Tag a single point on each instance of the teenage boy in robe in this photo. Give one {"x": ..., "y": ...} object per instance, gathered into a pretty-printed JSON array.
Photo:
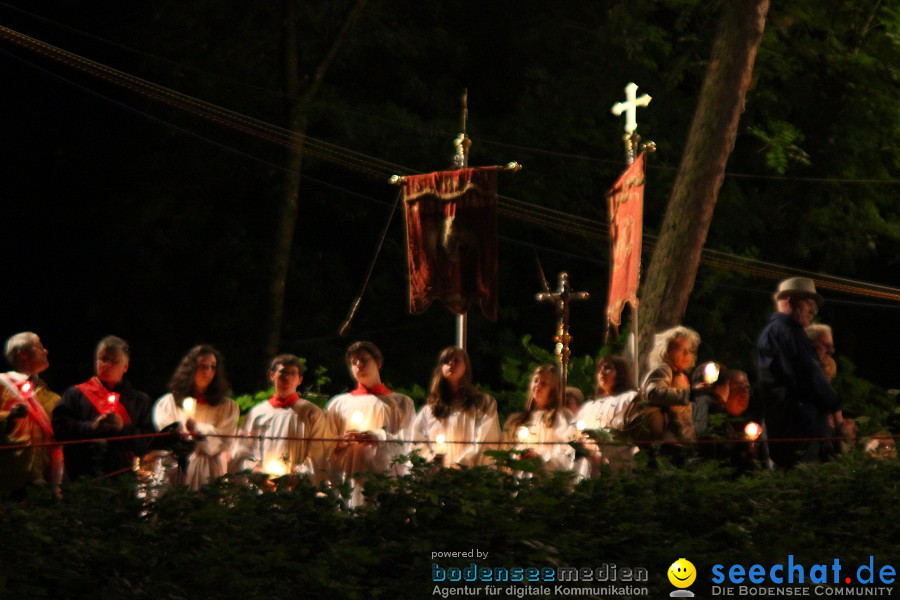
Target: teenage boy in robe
[
  {"x": 284, "y": 415},
  {"x": 370, "y": 422}
]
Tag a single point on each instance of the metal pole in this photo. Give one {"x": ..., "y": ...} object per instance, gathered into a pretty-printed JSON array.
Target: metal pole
[
  {"x": 635, "y": 349},
  {"x": 462, "y": 324},
  {"x": 462, "y": 321}
]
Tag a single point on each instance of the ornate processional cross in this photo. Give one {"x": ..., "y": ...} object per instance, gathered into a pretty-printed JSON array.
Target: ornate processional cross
[{"x": 562, "y": 297}]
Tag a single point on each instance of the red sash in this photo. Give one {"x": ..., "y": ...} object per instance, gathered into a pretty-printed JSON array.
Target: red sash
[
  {"x": 98, "y": 395},
  {"x": 376, "y": 390},
  {"x": 35, "y": 410},
  {"x": 39, "y": 416},
  {"x": 288, "y": 402}
]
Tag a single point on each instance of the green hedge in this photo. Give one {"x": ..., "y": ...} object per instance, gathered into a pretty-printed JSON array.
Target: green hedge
[{"x": 234, "y": 542}]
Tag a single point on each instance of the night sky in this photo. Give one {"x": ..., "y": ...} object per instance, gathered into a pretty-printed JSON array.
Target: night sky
[{"x": 124, "y": 216}]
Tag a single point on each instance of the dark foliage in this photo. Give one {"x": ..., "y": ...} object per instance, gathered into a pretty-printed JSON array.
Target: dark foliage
[{"x": 234, "y": 542}]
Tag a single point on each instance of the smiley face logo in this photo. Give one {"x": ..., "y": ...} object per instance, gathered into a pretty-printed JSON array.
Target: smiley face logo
[{"x": 682, "y": 573}]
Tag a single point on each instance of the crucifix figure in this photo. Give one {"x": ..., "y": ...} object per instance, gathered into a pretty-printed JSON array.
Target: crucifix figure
[
  {"x": 561, "y": 297},
  {"x": 629, "y": 107}
]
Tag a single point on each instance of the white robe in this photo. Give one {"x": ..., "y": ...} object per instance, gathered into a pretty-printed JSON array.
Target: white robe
[
  {"x": 606, "y": 412},
  {"x": 302, "y": 420},
  {"x": 475, "y": 424},
  {"x": 559, "y": 456},
  {"x": 210, "y": 456},
  {"x": 389, "y": 418}
]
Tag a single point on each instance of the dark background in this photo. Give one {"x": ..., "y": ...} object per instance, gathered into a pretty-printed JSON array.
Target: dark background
[{"x": 125, "y": 216}]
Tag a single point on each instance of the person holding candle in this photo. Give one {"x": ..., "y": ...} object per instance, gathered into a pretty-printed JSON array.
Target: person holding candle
[
  {"x": 103, "y": 408},
  {"x": 264, "y": 447},
  {"x": 710, "y": 391},
  {"x": 198, "y": 401},
  {"x": 609, "y": 409},
  {"x": 25, "y": 407},
  {"x": 544, "y": 429},
  {"x": 455, "y": 411},
  {"x": 665, "y": 410},
  {"x": 370, "y": 422},
  {"x": 719, "y": 417}
]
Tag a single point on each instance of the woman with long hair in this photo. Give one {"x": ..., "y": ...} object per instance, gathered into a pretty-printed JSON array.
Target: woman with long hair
[
  {"x": 609, "y": 409},
  {"x": 198, "y": 401},
  {"x": 667, "y": 411},
  {"x": 458, "y": 422},
  {"x": 544, "y": 428}
]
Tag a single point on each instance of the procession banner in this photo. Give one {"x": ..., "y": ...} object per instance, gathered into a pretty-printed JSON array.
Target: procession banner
[
  {"x": 451, "y": 233},
  {"x": 626, "y": 214}
]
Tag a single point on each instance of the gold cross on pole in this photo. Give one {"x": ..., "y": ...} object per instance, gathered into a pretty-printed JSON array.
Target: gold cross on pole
[{"x": 562, "y": 297}]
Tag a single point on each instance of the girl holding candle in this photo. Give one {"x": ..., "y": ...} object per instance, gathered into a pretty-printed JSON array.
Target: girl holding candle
[
  {"x": 666, "y": 409},
  {"x": 455, "y": 411},
  {"x": 609, "y": 409},
  {"x": 544, "y": 420},
  {"x": 198, "y": 401}
]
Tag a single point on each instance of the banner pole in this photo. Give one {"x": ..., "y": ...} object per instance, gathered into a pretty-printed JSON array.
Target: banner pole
[{"x": 462, "y": 325}]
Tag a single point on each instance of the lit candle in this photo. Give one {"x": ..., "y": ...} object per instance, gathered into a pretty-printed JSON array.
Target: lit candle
[
  {"x": 580, "y": 425},
  {"x": 111, "y": 401},
  {"x": 189, "y": 405},
  {"x": 356, "y": 420},
  {"x": 752, "y": 430},
  {"x": 440, "y": 444},
  {"x": 523, "y": 433},
  {"x": 276, "y": 468},
  {"x": 26, "y": 389},
  {"x": 711, "y": 373}
]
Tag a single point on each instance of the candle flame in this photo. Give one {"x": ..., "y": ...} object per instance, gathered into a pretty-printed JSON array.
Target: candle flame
[
  {"x": 189, "y": 405},
  {"x": 522, "y": 433},
  {"x": 711, "y": 373},
  {"x": 356, "y": 419},
  {"x": 26, "y": 387},
  {"x": 440, "y": 439},
  {"x": 580, "y": 425},
  {"x": 752, "y": 430},
  {"x": 276, "y": 467},
  {"x": 111, "y": 399}
]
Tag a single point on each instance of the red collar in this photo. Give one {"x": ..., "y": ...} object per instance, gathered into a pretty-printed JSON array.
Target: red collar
[
  {"x": 376, "y": 390},
  {"x": 288, "y": 402}
]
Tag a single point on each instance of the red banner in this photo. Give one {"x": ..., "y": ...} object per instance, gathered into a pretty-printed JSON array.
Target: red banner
[
  {"x": 626, "y": 216},
  {"x": 451, "y": 233}
]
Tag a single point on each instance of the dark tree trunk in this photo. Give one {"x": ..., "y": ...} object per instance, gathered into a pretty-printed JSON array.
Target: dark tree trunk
[
  {"x": 673, "y": 267},
  {"x": 297, "y": 102}
]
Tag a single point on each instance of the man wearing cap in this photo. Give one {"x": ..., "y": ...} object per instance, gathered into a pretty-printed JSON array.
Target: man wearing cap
[{"x": 795, "y": 392}]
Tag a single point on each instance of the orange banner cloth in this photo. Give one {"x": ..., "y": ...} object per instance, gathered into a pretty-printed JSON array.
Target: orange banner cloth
[{"x": 626, "y": 217}]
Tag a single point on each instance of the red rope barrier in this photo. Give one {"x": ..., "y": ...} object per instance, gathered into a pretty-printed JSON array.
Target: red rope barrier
[{"x": 706, "y": 441}]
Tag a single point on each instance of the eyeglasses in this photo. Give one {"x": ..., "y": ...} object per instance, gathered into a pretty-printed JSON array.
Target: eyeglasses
[{"x": 288, "y": 372}]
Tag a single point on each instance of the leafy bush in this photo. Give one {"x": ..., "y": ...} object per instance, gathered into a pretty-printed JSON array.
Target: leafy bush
[{"x": 232, "y": 541}]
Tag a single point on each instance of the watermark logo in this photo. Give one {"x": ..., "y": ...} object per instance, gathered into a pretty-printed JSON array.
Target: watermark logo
[{"x": 682, "y": 574}]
